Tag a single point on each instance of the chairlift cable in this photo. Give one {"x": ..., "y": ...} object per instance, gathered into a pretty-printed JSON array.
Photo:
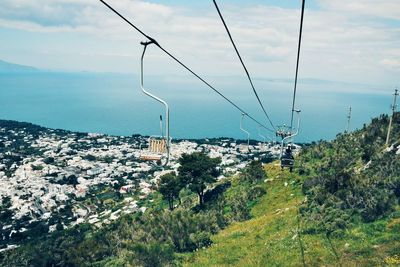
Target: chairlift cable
[
  {"x": 185, "y": 66},
  {"x": 287, "y": 159},
  {"x": 297, "y": 64},
  {"x": 241, "y": 61}
]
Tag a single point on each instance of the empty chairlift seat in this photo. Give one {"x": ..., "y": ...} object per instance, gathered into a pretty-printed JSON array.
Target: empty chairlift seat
[{"x": 157, "y": 147}]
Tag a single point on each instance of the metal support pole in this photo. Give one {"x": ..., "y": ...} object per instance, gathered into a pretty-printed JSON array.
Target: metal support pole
[
  {"x": 161, "y": 127},
  {"x": 348, "y": 121},
  {"x": 396, "y": 93}
]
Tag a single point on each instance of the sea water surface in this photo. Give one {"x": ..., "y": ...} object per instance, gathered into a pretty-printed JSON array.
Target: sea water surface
[{"x": 114, "y": 104}]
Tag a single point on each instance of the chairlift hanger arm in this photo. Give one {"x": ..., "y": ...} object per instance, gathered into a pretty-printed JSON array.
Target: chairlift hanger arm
[
  {"x": 298, "y": 126},
  {"x": 145, "y": 44},
  {"x": 292, "y": 135},
  {"x": 167, "y": 132}
]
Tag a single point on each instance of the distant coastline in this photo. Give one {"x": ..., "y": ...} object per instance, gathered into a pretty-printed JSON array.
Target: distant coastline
[
  {"x": 28, "y": 125},
  {"x": 113, "y": 104},
  {"x": 7, "y": 67}
]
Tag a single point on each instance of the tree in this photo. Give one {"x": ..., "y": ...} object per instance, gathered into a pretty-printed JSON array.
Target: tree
[
  {"x": 59, "y": 226},
  {"x": 37, "y": 167},
  {"x": 90, "y": 157},
  {"x": 169, "y": 186},
  {"x": 72, "y": 180},
  {"x": 197, "y": 170},
  {"x": 49, "y": 160}
]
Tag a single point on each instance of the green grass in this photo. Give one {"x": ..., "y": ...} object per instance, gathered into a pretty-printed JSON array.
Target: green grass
[{"x": 271, "y": 237}]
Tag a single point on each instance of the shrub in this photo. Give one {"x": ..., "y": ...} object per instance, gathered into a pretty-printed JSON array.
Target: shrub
[
  {"x": 254, "y": 172},
  {"x": 239, "y": 206},
  {"x": 256, "y": 192},
  {"x": 152, "y": 255}
]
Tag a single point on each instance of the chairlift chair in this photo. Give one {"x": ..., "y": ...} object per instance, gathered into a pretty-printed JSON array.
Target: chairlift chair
[
  {"x": 158, "y": 149},
  {"x": 283, "y": 131},
  {"x": 287, "y": 159}
]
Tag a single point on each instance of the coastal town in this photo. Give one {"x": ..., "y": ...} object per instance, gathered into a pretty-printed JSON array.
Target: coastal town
[{"x": 53, "y": 179}]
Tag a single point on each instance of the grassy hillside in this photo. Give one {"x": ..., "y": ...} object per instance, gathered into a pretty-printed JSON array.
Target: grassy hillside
[
  {"x": 275, "y": 236},
  {"x": 339, "y": 208}
]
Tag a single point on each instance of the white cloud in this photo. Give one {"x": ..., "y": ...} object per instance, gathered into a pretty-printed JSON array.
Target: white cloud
[
  {"x": 383, "y": 9},
  {"x": 341, "y": 40},
  {"x": 45, "y": 13}
]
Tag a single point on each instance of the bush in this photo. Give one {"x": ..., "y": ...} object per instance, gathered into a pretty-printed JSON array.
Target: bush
[
  {"x": 49, "y": 160},
  {"x": 254, "y": 172},
  {"x": 37, "y": 167},
  {"x": 239, "y": 206},
  {"x": 90, "y": 157},
  {"x": 256, "y": 192},
  {"x": 353, "y": 177},
  {"x": 308, "y": 184},
  {"x": 152, "y": 255},
  {"x": 216, "y": 192},
  {"x": 201, "y": 240}
]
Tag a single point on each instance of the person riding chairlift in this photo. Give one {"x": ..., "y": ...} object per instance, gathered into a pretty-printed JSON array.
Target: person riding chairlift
[
  {"x": 287, "y": 159},
  {"x": 288, "y": 153}
]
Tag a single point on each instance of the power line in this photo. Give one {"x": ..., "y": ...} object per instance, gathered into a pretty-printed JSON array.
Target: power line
[
  {"x": 244, "y": 66},
  {"x": 297, "y": 64},
  {"x": 184, "y": 66}
]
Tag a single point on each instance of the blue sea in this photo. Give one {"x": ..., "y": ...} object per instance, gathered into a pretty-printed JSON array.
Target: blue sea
[{"x": 113, "y": 104}]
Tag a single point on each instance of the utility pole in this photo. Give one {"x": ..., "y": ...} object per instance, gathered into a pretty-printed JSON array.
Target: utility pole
[
  {"x": 396, "y": 93},
  {"x": 348, "y": 121}
]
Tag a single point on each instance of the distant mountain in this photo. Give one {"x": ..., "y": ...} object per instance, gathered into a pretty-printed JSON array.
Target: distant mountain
[{"x": 11, "y": 67}]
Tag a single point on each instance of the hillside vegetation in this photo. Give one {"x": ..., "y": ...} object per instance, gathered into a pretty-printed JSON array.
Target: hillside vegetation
[
  {"x": 277, "y": 235},
  {"x": 340, "y": 207}
]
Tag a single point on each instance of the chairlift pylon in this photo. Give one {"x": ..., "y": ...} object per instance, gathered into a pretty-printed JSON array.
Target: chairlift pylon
[{"x": 158, "y": 146}]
